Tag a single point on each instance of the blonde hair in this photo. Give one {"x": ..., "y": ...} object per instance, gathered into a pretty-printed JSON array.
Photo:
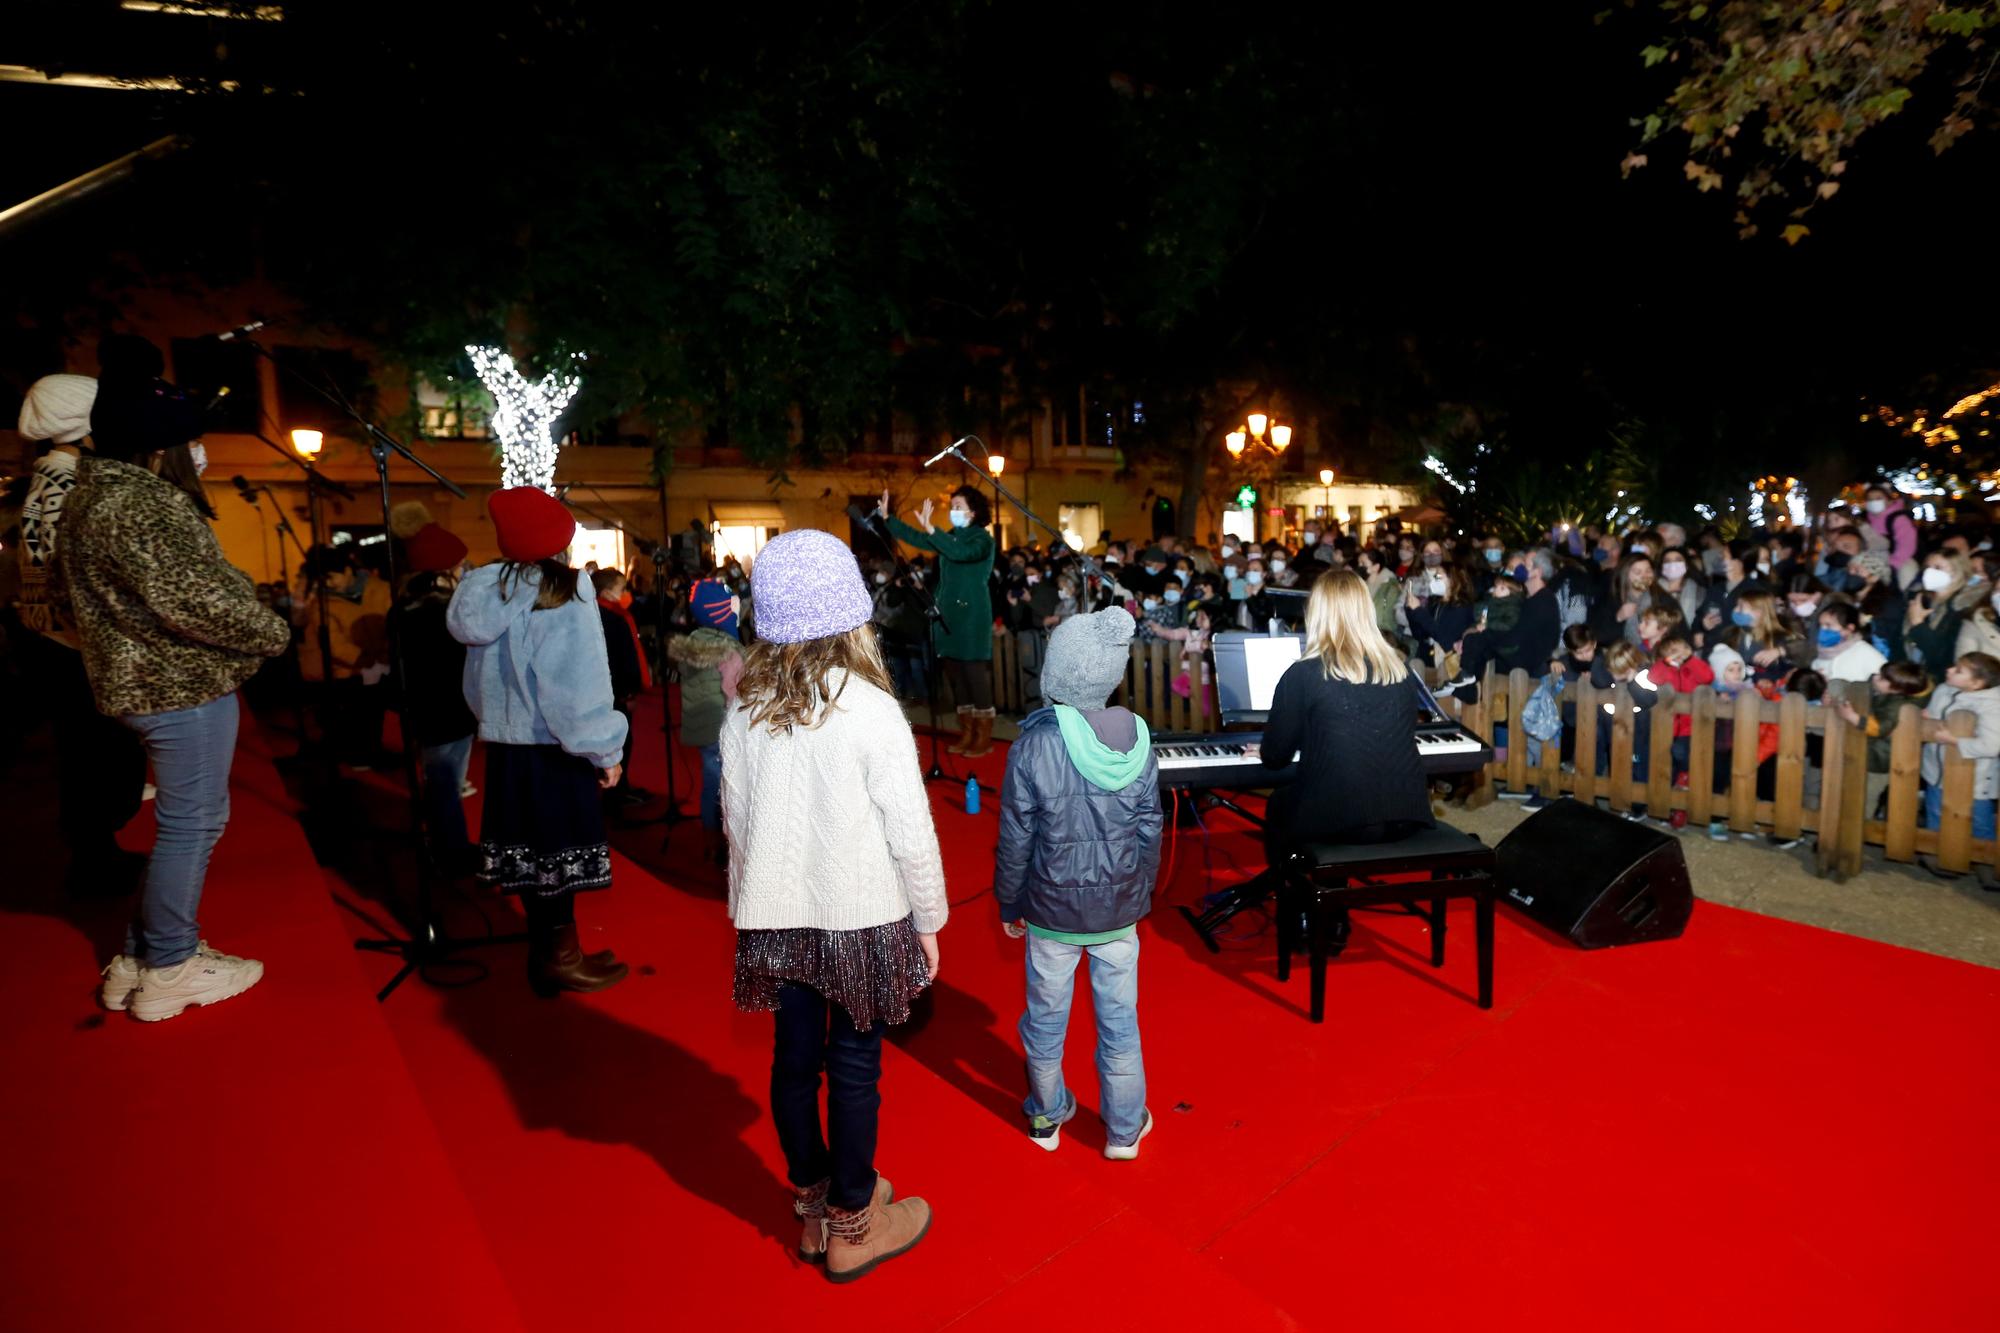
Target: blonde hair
[
  {"x": 786, "y": 685},
  {"x": 1341, "y": 630},
  {"x": 1627, "y": 656}
]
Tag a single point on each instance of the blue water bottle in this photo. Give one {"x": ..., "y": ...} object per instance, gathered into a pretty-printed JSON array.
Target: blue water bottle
[{"x": 972, "y": 796}]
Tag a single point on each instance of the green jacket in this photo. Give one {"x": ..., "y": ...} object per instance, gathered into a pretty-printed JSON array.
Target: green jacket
[
  {"x": 701, "y": 656},
  {"x": 964, "y": 596}
]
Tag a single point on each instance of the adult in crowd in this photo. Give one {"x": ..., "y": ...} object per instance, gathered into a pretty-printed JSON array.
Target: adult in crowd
[
  {"x": 169, "y": 631},
  {"x": 1438, "y": 604},
  {"x": 1681, "y": 583},
  {"x": 435, "y": 715},
  {"x": 817, "y": 753},
  {"x": 100, "y": 764},
  {"x": 1935, "y": 611},
  {"x": 1763, "y": 633},
  {"x": 964, "y": 637},
  {"x": 538, "y": 680},
  {"x": 1880, "y": 602},
  {"x": 1804, "y": 596},
  {"x": 1629, "y": 593},
  {"x": 901, "y": 628},
  {"x": 1894, "y": 532},
  {"x": 349, "y": 686},
  {"x": 711, "y": 661},
  {"x": 1844, "y": 653},
  {"x": 631, "y": 673},
  {"x": 1979, "y": 631},
  {"x": 1384, "y": 589}
]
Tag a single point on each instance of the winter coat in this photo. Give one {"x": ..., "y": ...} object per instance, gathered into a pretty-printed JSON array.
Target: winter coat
[
  {"x": 1932, "y": 642},
  {"x": 166, "y": 622},
  {"x": 537, "y": 677},
  {"x": 434, "y": 690},
  {"x": 1385, "y": 591},
  {"x": 1901, "y": 537},
  {"x": 1978, "y": 634},
  {"x": 1884, "y": 711},
  {"x": 1689, "y": 676},
  {"x": 965, "y": 566},
  {"x": 1073, "y": 857},
  {"x": 1982, "y": 746},
  {"x": 710, "y": 663},
  {"x": 629, "y": 673}
]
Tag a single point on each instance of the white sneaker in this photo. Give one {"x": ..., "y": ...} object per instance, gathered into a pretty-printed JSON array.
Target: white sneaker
[
  {"x": 121, "y": 978},
  {"x": 1126, "y": 1152},
  {"x": 206, "y": 977},
  {"x": 467, "y": 789}
]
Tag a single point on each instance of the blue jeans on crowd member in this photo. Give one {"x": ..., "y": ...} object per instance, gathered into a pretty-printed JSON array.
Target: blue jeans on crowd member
[
  {"x": 906, "y": 672},
  {"x": 813, "y": 1034},
  {"x": 190, "y": 750},
  {"x": 711, "y": 786},
  {"x": 444, "y": 769},
  {"x": 1114, "y": 995},
  {"x": 1983, "y": 813}
]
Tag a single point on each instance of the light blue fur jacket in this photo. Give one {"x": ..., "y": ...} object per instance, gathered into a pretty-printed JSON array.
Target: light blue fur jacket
[{"x": 536, "y": 677}]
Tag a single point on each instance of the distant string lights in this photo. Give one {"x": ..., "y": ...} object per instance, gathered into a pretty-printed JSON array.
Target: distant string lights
[
  {"x": 524, "y": 415},
  {"x": 1944, "y": 427}
]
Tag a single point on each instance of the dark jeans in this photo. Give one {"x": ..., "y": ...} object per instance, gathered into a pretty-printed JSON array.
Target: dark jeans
[
  {"x": 100, "y": 763},
  {"x": 811, "y": 1035},
  {"x": 350, "y": 719}
]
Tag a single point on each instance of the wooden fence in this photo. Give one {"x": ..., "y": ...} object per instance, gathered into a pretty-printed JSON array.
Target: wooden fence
[{"x": 1839, "y": 821}]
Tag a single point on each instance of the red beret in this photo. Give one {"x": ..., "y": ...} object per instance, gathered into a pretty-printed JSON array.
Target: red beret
[
  {"x": 531, "y": 524},
  {"x": 432, "y": 548}
]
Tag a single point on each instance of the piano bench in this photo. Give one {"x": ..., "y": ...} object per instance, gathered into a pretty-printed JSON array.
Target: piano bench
[{"x": 1321, "y": 879}]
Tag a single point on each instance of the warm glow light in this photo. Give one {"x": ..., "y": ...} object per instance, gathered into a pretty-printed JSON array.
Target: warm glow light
[
  {"x": 1281, "y": 436},
  {"x": 1257, "y": 423},
  {"x": 1326, "y": 476},
  {"x": 307, "y": 443},
  {"x": 996, "y": 464},
  {"x": 1234, "y": 441}
]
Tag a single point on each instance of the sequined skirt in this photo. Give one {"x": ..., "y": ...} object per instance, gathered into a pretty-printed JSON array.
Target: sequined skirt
[
  {"x": 873, "y": 974},
  {"x": 541, "y": 827}
]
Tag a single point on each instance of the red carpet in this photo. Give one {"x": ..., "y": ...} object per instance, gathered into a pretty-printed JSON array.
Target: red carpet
[{"x": 1761, "y": 1124}]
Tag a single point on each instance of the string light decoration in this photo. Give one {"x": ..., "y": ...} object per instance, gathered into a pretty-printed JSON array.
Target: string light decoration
[
  {"x": 1444, "y": 474},
  {"x": 1941, "y": 429},
  {"x": 1782, "y": 491},
  {"x": 524, "y": 415}
]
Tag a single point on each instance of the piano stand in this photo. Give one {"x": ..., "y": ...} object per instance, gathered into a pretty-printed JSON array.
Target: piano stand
[{"x": 1221, "y": 906}]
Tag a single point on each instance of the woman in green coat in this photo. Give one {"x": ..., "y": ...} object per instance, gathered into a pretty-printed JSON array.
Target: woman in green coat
[{"x": 964, "y": 636}]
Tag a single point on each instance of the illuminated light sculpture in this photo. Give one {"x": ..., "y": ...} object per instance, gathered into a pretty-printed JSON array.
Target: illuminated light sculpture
[{"x": 524, "y": 416}]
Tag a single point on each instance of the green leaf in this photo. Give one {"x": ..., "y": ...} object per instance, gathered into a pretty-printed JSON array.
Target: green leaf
[{"x": 1653, "y": 55}]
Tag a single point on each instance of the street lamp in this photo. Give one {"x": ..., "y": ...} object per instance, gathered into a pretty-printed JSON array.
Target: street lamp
[
  {"x": 1326, "y": 480},
  {"x": 995, "y": 465},
  {"x": 307, "y": 443},
  {"x": 1259, "y": 427}
]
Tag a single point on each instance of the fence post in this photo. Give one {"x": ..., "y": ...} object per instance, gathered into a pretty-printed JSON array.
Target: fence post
[
  {"x": 1551, "y": 782},
  {"x": 1833, "y": 768},
  {"x": 1660, "y": 756},
  {"x": 1906, "y": 749},
  {"x": 1519, "y": 687},
  {"x": 1476, "y": 718},
  {"x": 1584, "y": 752},
  {"x": 1955, "y": 818},
  {"x": 1135, "y": 671},
  {"x": 1744, "y": 737},
  {"x": 1853, "y": 786},
  {"x": 1788, "y": 810},
  {"x": 1621, "y": 748},
  {"x": 1701, "y": 757},
  {"x": 1494, "y": 696}
]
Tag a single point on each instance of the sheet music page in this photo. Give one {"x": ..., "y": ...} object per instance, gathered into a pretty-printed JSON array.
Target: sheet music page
[{"x": 1264, "y": 661}]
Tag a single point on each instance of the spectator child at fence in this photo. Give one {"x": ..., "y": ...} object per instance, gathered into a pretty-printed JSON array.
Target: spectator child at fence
[
  {"x": 1678, "y": 666},
  {"x": 1805, "y": 681},
  {"x": 1657, "y": 622},
  {"x": 1968, "y": 688},
  {"x": 1623, "y": 662},
  {"x": 1576, "y": 662},
  {"x": 1896, "y": 685}
]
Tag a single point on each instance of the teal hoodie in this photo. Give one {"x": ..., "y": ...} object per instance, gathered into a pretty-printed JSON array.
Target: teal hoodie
[{"x": 1113, "y": 770}]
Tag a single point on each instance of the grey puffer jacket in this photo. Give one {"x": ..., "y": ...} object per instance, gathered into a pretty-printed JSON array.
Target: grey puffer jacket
[{"x": 1073, "y": 857}]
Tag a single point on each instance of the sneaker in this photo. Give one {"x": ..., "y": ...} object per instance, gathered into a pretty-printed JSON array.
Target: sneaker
[
  {"x": 1536, "y": 801},
  {"x": 1678, "y": 820},
  {"x": 121, "y": 978},
  {"x": 1045, "y": 1133},
  {"x": 1636, "y": 815},
  {"x": 1680, "y": 782},
  {"x": 466, "y": 789},
  {"x": 148, "y": 792},
  {"x": 1718, "y": 830},
  {"x": 205, "y": 977},
  {"x": 1524, "y": 794},
  {"x": 1125, "y": 1152},
  {"x": 1786, "y": 844}
]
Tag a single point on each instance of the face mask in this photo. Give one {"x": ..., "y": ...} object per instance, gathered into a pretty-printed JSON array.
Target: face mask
[
  {"x": 1637, "y": 550},
  {"x": 1975, "y": 577},
  {"x": 1674, "y": 569},
  {"x": 1312, "y": 539},
  {"x": 1254, "y": 577},
  {"x": 1432, "y": 559},
  {"x": 1763, "y": 566},
  {"x": 1066, "y": 596},
  {"x": 1228, "y": 551},
  {"x": 1184, "y": 575},
  {"x": 199, "y": 453},
  {"x": 1601, "y": 557},
  {"x": 1438, "y": 585},
  {"x": 1173, "y": 595},
  {"x": 1805, "y": 610},
  {"x": 1150, "y": 603},
  {"x": 1405, "y": 557},
  {"x": 960, "y": 517},
  {"x": 1717, "y": 562},
  {"x": 1492, "y": 555},
  {"x": 1742, "y": 619},
  {"x": 1876, "y": 506},
  {"x": 1829, "y": 638},
  {"x": 1033, "y": 579},
  {"x": 1521, "y": 573},
  {"x": 1229, "y": 571},
  {"x": 1277, "y": 566},
  {"x": 1936, "y": 580}
]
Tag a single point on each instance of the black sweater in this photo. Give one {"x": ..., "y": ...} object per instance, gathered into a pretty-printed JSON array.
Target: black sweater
[{"x": 1359, "y": 777}]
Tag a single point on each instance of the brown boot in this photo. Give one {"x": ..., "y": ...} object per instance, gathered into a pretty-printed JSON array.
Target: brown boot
[
  {"x": 982, "y": 734},
  {"x": 810, "y": 1205},
  {"x": 964, "y": 733},
  {"x": 856, "y": 1242},
  {"x": 563, "y": 965}
]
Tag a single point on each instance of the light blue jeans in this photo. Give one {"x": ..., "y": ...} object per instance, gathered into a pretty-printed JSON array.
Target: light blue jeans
[
  {"x": 191, "y": 750},
  {"x": 1983, "y": 813},
  {"x": 1114, "y": 995},
  {"x": 711, "y": 786},
  {"x": 444, "y": 767}
]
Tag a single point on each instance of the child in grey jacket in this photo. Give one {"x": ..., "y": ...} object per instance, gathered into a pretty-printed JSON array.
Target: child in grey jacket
[{"x": 1968, "y": 688}]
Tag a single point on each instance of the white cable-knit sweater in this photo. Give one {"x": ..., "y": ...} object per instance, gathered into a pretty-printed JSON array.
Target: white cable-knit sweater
[{"x": 830, "y": 826}]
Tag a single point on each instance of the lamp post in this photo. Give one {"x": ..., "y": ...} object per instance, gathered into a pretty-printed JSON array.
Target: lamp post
[
  {"x": 1326, "y": 481},
  {"x": 995, "y": 465},
  {"x": 1259, "y": 428}
]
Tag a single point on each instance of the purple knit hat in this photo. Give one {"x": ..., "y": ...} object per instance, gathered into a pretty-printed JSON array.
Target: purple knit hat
[{"x": 806, "y": 585}]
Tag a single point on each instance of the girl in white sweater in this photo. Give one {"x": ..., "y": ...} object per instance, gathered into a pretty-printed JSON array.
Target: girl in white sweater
[{"x": 835, "y": 885}]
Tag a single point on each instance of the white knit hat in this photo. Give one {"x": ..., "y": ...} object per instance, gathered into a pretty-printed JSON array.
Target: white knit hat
[
  {"x": 1721, "y": 656},
  {"x": 58, "y": 408}
]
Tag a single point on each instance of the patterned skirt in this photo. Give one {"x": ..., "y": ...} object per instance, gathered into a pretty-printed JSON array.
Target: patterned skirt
[
  {"x": 873, "y": 974},
  {"x": 541, "y": 830}
]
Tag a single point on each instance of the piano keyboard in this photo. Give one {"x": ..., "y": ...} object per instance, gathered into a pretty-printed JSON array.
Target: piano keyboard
[{"x": 1219, "y": 760}]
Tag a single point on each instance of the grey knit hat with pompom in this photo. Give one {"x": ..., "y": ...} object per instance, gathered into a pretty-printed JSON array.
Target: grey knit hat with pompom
[{"x": 1087, "y": 658}]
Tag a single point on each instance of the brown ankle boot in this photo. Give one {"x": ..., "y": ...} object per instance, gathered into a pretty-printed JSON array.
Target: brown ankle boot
[
  {"x": 856, "y": 1242},
  {"x": 563, "y": 965},
  {"x": 982, "y": 734},
  {"x": 810, "y": 1205},
  {"x": 964, "y": 733}
]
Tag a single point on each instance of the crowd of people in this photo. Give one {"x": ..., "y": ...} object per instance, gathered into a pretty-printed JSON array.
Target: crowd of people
[{"x": 812, "y": 796}]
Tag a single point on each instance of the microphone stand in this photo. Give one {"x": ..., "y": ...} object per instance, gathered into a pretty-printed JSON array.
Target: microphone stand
[
  {"x": 428, "y": 943},
  {"x": 934, "y": 618}
]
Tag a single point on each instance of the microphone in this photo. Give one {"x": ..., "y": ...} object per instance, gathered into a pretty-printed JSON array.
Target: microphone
[
  {"x": 947, "y": 451},
  {"x": 863, "y": 515},
  {"x": 244, "y": 489},
  {"x": 240, "y": 331}
]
